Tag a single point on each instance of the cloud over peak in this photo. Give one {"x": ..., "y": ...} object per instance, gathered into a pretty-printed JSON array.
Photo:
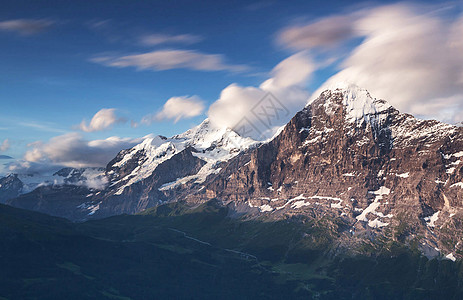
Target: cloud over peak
[
  {"x": 104, "y": 119},
  {"x": 177, "y": 108},
  {"x": 409, "y": 55},
  {"x": 295, "y": 70},
  {"x": 288, "y": 93}
]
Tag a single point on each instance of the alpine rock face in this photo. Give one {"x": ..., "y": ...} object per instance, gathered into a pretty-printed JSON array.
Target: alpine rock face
[
  {"x": 357, "y": 160},
  {"x": 347, "y": 158}
]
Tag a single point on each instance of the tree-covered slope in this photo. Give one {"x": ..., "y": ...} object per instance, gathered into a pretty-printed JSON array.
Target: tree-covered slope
[{"x": 177, "y": 251}]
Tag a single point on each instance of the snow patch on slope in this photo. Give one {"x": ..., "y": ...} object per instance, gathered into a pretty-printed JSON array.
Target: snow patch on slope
[
  {"x": 451, "y": 257},
  {"x": 458, "y": 184},
  {"x": 403, "y": 175},
  {"x": 373, "y": 206},
  {"x": 432, "y": 219}
]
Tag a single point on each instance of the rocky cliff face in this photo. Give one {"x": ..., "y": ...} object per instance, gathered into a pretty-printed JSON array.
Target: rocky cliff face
[{"x": 350, "y": 157}]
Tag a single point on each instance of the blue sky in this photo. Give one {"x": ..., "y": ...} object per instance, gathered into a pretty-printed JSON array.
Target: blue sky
[{"x": 57, "y": 61}]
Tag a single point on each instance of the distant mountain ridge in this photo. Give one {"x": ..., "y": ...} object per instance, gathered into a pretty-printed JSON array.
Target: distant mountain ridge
[
  {"x": 137, "y": 178},
  {"x": 14, "y": 185}
]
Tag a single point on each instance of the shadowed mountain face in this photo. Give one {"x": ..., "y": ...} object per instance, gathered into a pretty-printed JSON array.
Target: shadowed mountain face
[
  {"x": 14, "y": 185},
  {"x": 10, "y": 187},
  {"x": 347, "y": 157}
]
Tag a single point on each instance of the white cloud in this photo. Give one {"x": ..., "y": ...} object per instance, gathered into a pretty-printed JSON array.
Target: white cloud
[
  {"x": 72, "y": 150},
  {"x": 177, "y": 108},
  {"x": 294, "y": 71},
  {"x": 288, "y": 85},
  {"x": 235, "y": 102},
  {"x": 25, "y": 26},
  {"x": 27, "y": 167},
  {"x": 158, "y": 39},
  {"x": 410, "y": 56},
  {"x": 5, "y": 145},
  {"x": 104, "y": 119},
  {"x": 171, "y": 59}
]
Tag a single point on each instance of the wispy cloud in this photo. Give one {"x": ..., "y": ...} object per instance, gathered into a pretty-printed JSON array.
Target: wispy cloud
[
  {"x": 25, "y": 26},
  {"x": 171, "y": 59},
  {"x": 158, "y": 39},
  {"x": 110, "y": 30},
  {"x": 410, "y": 55},
  {"x": 258, "y": 5},
  {"x": 42, "y": 126},
  {"x": 5, "y": 145},
  {"x": 102, "y": 120},
  {"x": 99, "y": 24},
  {"x": 326, "y": 32}
]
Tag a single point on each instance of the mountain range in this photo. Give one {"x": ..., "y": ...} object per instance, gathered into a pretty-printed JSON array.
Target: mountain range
[{"x": 370, "y": 174}]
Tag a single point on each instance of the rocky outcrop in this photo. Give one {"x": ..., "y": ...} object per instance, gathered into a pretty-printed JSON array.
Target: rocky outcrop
[{"x": 10, "y": 187}]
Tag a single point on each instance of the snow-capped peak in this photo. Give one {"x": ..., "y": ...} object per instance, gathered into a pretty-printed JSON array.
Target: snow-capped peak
[
  {"x": 207, "y": 135},
  {"x": 360, "y": 105},
  {"x": 211, "y": 143}
]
